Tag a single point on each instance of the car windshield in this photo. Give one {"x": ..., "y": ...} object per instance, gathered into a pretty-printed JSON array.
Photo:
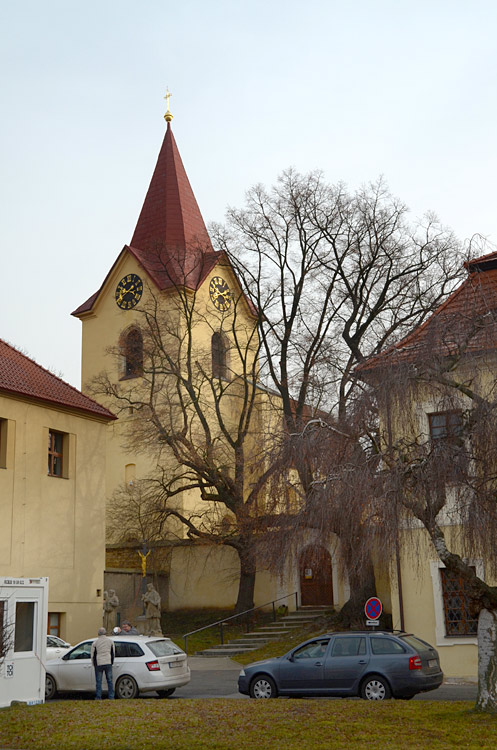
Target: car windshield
[
  {"x": 415, "y": 643},
  {"x": 55, "y": 642},
  {"x": 164, "y": 648},
  {"x": 80, "y": 652},
  {"x": 312, "y": 650}
]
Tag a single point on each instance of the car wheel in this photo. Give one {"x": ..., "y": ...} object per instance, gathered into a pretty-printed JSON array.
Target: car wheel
[
  {"x": 126, "y": 687},
  {"x": 50, "y": 687},
  {"x": 375, "y": 688},
  {"x": 263, "y": 687},
  {"x": 165, "y": 693}
]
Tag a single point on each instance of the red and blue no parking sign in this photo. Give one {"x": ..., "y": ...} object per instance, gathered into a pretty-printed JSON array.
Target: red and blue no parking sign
[{"x": 373, "y": 608}]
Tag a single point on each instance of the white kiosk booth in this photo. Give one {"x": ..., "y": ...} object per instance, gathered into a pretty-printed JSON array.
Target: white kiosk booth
[{"x": 23, "y": 620}]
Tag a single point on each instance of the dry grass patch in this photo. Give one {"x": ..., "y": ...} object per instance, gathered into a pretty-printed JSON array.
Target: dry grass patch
[{"x": 222, "y": 724}]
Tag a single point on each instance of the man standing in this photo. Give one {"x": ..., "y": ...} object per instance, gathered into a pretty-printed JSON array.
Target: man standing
[{"x": 102, "y": 656}]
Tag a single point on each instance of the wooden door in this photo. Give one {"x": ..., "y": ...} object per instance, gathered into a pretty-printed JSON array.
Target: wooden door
[{"x": 316, "y": 582}]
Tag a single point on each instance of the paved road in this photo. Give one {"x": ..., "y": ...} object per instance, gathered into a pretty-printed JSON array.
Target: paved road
[{"x": 218, "y": 677}]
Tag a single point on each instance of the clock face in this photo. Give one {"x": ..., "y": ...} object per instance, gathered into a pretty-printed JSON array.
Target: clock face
[
  {"x": 129, "y": 291},
  {"x": 220, "y": 294}
]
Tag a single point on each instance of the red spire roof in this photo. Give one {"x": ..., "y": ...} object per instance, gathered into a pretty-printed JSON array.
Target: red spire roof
[
  {"x": 22, "y": 376},
  {"x": 170, "y": 214},
  {"x": 170, "y": 240}
]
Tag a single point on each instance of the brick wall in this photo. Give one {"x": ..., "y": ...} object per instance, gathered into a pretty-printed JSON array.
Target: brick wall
[{"x": 127, "y": 558}]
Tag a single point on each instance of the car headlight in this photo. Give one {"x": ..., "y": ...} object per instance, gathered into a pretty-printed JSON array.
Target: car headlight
[{"x": 242, "y": 673}]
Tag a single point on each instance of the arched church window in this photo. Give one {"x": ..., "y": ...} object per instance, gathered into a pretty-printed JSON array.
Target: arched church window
[
  {"x": 220, "y": 351},
  {"x": 133, "y": 354}
]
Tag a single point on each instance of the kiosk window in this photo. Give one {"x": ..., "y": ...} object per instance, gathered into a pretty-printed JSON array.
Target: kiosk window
[{"x": 24, "y": 628}]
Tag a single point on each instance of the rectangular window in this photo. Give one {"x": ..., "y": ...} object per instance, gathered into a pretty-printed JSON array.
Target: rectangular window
[
  {"x": 447, "y": 438},
  {"x": 54, "y": 624},
  {"x": 446, "y": 425},
  {"x": 348, "y": 646},
  {"x": 55, "y": 453},
  {"x": 25, "y": 626},
  {"x": 3, "y": 443},
  {"x": 457, "y": 611}
]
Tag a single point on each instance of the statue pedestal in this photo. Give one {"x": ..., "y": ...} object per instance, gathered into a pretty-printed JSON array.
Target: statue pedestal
[{"x": 141, "y": 624}]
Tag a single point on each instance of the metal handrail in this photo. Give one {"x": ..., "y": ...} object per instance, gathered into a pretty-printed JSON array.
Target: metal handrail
[{"x": 239, "y": 614}]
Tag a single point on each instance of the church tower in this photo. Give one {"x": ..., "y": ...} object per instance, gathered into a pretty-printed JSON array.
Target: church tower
[
  {"x": 169, "y": 261},
  {"x": 170, "y": 249}
]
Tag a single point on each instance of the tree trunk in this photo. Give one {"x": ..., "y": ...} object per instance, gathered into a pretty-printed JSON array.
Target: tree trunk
[
  {"x": 362, "y": 586},
  {"x": 246, "y": 586},
  {"x": 487, "y": 661}
]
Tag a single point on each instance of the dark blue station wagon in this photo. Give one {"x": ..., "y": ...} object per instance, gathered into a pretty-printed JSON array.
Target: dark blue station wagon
[{"x": 372, "y": 665}]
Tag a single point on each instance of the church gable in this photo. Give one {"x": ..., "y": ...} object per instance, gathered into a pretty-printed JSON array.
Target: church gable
[{"x": 170, "y": 242}]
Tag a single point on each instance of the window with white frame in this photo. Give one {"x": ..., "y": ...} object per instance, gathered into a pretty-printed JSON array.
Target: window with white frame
[
  {"x": 454, "y": 622},
  {"x": 24, "y": 631},
  {"x": 459, "y": 617}
]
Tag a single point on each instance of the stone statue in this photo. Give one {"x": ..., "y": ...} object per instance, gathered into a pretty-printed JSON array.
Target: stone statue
[
  {"x": 152, "y": 601},
  {"x": 111, "y": 603}
]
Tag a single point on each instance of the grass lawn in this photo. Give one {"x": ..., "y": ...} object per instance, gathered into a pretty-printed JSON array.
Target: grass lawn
[{"x": 220, "y": 723}]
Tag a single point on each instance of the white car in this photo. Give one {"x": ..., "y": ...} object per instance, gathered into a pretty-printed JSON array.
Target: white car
[
  {"x": 56, "y": 647},
  {"x": 142, "y": 664}
]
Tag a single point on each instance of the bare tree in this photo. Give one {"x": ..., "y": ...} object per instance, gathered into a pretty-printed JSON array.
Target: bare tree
[
  {"x": 199, "y": 410},
  {"x": 439, "y": 470},
  {"x": 329, "y": 278},
  {"x": 335, "y": 277},
  {"x": 6, "y": 639}
]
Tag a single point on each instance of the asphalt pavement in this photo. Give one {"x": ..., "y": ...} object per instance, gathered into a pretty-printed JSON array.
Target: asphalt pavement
[{"x": 218, "y": 678}]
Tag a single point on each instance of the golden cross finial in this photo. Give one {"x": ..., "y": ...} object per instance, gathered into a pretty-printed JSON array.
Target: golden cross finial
[{"x": 168, "y": 116}]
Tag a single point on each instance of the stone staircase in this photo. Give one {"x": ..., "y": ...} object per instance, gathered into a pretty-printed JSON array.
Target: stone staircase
[{"x": 266, "y": 633}]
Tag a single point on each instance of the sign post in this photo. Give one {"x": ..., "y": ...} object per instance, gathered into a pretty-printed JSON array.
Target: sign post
[{"x": 373, "y": 609}]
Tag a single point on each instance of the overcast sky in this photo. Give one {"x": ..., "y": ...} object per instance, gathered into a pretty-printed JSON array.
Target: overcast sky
[{"x": 358, "y": 89}]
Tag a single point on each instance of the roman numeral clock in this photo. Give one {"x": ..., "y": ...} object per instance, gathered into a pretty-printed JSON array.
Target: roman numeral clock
[
  {"x": 129, "y": 291},
  {"x": 220, "y": 293}
]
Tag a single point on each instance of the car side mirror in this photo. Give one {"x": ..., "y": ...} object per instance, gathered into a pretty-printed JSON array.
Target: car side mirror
[{"x": 290, "y": 658}]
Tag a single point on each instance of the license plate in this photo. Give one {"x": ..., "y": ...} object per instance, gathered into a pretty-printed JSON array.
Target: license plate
[
  {"x": 432, "y": 663},
  {"x": 173, "y": 664}
]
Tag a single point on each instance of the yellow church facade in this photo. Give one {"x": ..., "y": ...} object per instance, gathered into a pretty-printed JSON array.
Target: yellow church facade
[{"x": 169, "y": 263}]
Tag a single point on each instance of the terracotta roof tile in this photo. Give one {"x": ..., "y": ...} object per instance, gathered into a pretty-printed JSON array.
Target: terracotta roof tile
[
  {"x": 22, "y": 376},
  {"x": 467, "y": 319}
]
